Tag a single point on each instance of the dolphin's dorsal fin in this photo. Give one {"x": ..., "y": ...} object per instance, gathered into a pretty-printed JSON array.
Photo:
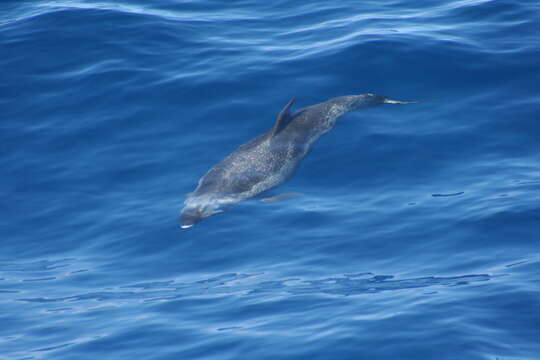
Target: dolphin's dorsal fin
[{"x": 282, "y": 117}]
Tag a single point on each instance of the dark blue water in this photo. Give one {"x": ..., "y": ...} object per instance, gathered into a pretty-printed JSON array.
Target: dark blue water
[{"x": 417, "y": 234}]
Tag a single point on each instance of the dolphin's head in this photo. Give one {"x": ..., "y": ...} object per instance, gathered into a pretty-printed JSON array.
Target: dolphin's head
[
  {"x": 189, "y": 217},
  {"x": 196, "y": 210}
]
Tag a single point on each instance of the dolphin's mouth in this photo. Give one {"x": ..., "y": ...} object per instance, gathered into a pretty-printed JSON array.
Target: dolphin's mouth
[{"x": 186, "y": 226}]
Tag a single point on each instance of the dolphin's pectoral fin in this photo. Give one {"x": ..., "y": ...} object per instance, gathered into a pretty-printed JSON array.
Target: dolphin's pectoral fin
[
  {"x": 284, "y": 114},
  {"x": 280, "y": 197}
]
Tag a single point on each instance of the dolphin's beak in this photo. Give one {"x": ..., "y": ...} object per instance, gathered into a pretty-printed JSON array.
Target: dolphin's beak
[{"x": 189, "y": 217}]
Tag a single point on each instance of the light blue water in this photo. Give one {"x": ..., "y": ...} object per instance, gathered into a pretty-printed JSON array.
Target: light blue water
[{"x": 417, "y": 233}]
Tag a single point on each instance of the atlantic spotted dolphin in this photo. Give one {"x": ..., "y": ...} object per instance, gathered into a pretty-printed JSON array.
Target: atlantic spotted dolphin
[{"x": 269, "y": 159}]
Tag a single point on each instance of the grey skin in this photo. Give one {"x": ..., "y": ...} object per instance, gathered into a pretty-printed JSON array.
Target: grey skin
[{"x": 269, "y": 159}]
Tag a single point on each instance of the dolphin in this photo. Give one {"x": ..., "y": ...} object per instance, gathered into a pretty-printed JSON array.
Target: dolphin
[{"x": 271, "y": 158}]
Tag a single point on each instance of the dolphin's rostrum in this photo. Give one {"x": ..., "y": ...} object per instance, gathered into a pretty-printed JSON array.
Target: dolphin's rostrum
[{"x": 271, "y": 158}]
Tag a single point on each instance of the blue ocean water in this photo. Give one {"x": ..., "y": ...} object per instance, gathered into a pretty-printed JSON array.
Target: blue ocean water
[{"x": 416, "y": 236}]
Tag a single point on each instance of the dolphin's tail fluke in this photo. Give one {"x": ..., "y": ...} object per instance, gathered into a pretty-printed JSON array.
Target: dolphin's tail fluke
[{"x": 389, "y": 101}]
